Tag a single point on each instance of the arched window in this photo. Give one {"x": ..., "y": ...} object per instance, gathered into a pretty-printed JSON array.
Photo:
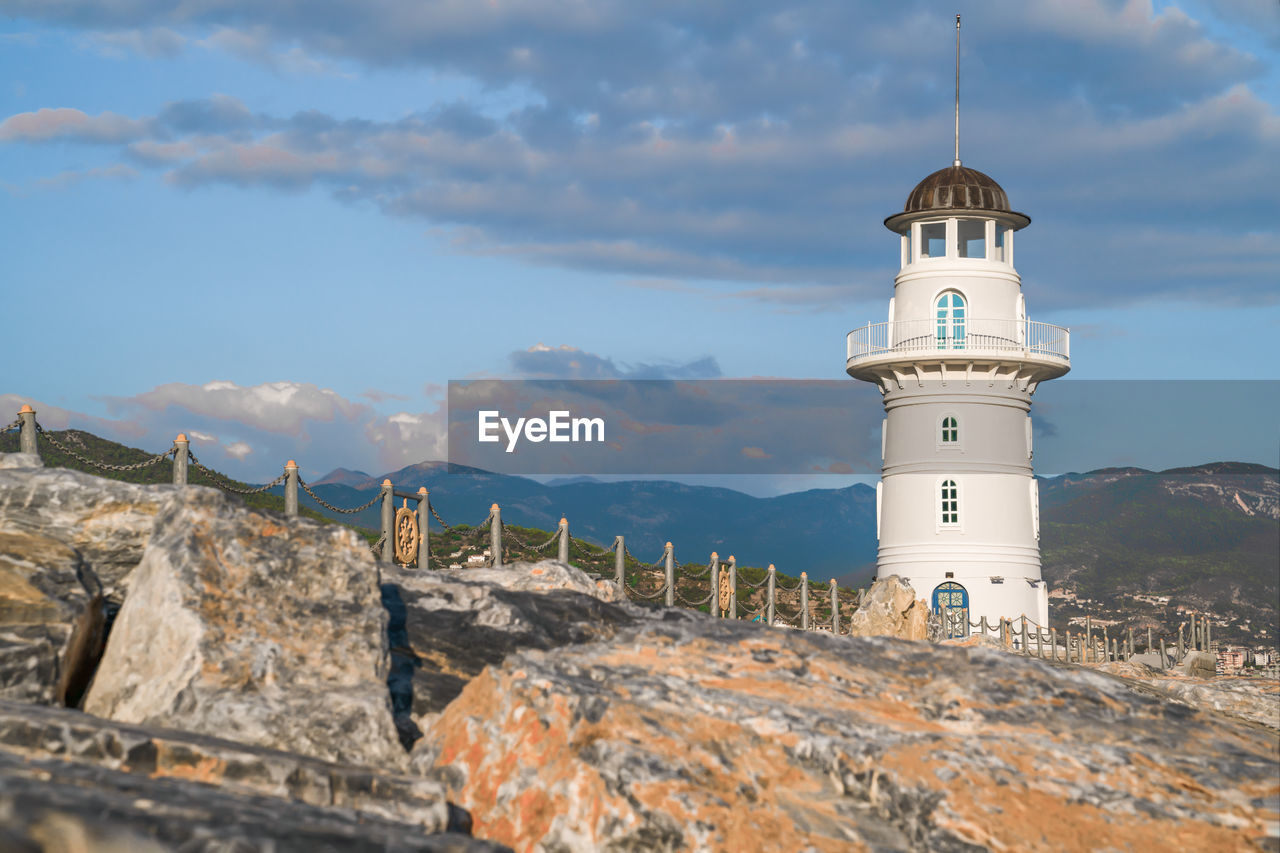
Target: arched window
[
  {"x": 950, "y": 317},
  {"x": 950, "y": 432},
  {"x": 949, "y": 505}
]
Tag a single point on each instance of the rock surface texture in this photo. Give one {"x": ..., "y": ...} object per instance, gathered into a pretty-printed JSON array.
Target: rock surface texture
[
  {"x": 106, "y": 522},
  {"x": 447, "y": 626},
  {"x": 696, "y": 734},
  {"x": 890, "y": 609},
  {"x": 248, "y": 626}
]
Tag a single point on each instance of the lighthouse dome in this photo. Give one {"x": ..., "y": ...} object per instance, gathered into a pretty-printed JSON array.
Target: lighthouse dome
[{"x": 957, "y": 189}]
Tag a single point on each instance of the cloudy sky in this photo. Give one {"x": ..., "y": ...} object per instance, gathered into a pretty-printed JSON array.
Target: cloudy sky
[{"x": 283, "y": 227}]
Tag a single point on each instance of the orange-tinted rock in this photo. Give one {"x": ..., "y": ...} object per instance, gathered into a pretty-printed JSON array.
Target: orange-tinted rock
[
  {"x": 701, "y": 734},
  {"x": 890, "y": 609}
]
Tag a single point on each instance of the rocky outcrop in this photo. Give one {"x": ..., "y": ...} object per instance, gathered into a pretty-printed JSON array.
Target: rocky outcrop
[
  {"x": 249, "y": 626},
  {"x": 71, "y": 782},
  {"x": 106, "y": 522},
  {"x": 701, "y": 734},
  {"x": 52, "y": 620},
  {"x": 447, "y": 626},
  {"x": 20, "y": 460},
  {"x": 890, "y": 609}
]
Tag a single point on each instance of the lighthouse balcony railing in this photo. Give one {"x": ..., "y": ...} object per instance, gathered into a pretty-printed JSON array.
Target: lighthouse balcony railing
[{"x": 960, "y": 337}]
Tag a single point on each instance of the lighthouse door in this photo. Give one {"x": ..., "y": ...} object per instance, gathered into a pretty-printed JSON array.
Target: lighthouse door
[
  {"x": 955, "y": 599},
  {"x": 950, "y": 321}
]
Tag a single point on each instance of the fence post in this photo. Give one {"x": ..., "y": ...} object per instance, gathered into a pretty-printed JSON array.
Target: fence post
[
  {"x": 181, "y": 447},
  {"x": 1164, "y": 658},
  {"x": 495, "y": 535},
  {"x": 669, "y": 554},
  {"x": 804, "y": 601},
  {"x": 1181, "y": 625},
  {"x": 1068, "y": 646},
  {"x": 835, "y": 609},
  {"x": 1026, "y": 647},
  {"x": 714, "y": 574},
  {"x": 983, "y": 620},
  {"x": 27, "y": 438},
  {"x": 620, "y": 564},
  {"x": 424, "y": 532},
  {"x": 1208, "y": 634},
  {"x": 388, "y": 521},
  {"x": 1129, "y": 651},
  {"x": 1053, "y": 644},
  {"x": 290, "y": 487},
  {"x": 1150, "y": 647},
  {"x": 562, "y": 546},
  {"x": 733, "y": 587},
  {"x": 771, "y": 594},
  {"x": 1106, "y": 646}
]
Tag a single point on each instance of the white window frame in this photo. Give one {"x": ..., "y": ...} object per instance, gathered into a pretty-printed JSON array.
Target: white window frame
[
  {"x": 938, "y": 432},
  {"x": 1035, "y": 507},
  {"x": 958, "y": 524},
  {"x": 879, "y": 504}
]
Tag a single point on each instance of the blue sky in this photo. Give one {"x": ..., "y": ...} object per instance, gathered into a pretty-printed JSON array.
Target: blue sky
[{"x": 285, "y": 227}]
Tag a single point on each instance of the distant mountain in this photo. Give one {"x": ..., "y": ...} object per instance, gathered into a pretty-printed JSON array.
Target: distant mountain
[
  {"x": 570, "y": 481},
  {"x": 347, "y": 477}
]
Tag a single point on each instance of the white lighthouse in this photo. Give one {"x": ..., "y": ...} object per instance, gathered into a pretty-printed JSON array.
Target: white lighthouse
[
  {"x": 958, "y": 512},
  {"x": 957, "y": 507}
]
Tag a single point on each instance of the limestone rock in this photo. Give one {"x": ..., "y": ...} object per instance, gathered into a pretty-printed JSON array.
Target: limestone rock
[
  {"x": 253, "y": 627},
  {"x": 700, "y": 734},
  {"x": 106, "y": 522},
  {"x": 890, "y": 609},
  {"x": 1199, "y": 665},
  {"x": 447, "y": 626},
  {"x": 20, "y": 460},
  {"x": 1254, "y": 699},
  {"x": 52, "y": 620}
]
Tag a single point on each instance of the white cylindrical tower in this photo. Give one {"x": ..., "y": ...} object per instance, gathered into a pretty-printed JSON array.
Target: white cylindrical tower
[{"x": 957, "y": 363}]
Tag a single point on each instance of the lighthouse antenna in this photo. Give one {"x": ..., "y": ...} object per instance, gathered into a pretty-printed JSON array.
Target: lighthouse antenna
[{"x": 957, "y": 162}]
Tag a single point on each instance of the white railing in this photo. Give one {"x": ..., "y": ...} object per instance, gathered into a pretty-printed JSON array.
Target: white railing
[{"x": 961, "y": 337}]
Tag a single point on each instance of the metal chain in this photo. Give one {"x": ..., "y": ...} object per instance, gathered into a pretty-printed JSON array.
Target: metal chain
[
  {"x": 328, "y": 505},
  {"x": 160, "y": 457},
  {"x": 748, "y": 583},
  {"x": 376, "y": 548},
  {"x": 221, "y": 483},
  {"x": 554, "y": 536},
  {"x": 15, "y": 425},
  {"x": 589, "y": 550},
  {"x": 437, "y": 517},
  {"x": 688, "y": 603},
  {"x": 631, "y": 589},
  {"x": 699, "y": 574}
]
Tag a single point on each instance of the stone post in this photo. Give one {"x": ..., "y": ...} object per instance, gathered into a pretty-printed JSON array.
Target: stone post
[
  {"x": 1181, "y": 625},
  {"x": 669, "y": 554},
  {"x": 804, "y": 601},
  {"x": 1106, "y": 645},
  {"x": 1053, "y": 644},
  {"x": 983, "y": 621},
  {"x": 714, "y": 574},
  {"x": 27, "y": 437},
  {"x": 771, "y": 594},
  {"x": 620, "y": 565},
  {"x": 835, "y": 609},
  {"x": 1026, "y": 646},
  {"x": 290, "y": 489},
  {"x": 181, "y": 447},
  {"x": 1150, "y": 648},
  {"x": 733, "y": 587},
  {"x": 1208, "y": 634},
  {"x": 388, "y": 522},
  {"x": 1129, "y": 650},
  {"x": 424, "y": 528},
  {"x": 1164, "y": 657},
  {"x": 495, "y": 535},
  {"x": 562, "y": 545}
]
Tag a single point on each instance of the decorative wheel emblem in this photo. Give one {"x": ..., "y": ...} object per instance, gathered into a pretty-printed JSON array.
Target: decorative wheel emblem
[
  {"x": 726, "y": 589},
  {"x": 406, "y": 535}
]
